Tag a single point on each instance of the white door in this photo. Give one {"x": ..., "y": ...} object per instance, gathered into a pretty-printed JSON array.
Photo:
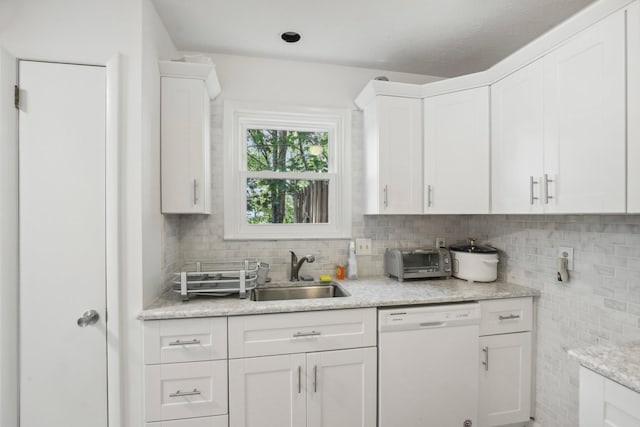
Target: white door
[
  {"x": 517, "y": 141},
  {"x": 63, "y": 367},
  {"x": 267, "y": 391},
  {"x": 8, "y": 243},
  {"x": 456, "y": 152},
  {"x": 505, "y": 379},
  {"x": 585, "y": 106},
  {"x": 400, "y": 162},
  {"x": 341, "y": 388}
]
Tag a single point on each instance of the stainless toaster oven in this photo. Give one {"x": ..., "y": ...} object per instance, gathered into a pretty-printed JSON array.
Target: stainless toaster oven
[{"x": 417, "y": 263}]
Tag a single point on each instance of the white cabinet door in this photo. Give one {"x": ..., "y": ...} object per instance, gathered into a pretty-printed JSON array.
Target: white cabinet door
[
  {"x": 606, "y": 403},
  {"x": 341, "y": 388},
  {"x": 633, "y": 108},
  {"x": 456, "y": 152},
  {"x": 185, "y": 155},
  {"x": 505, "y": 379},
  {"x": 393, "y": 156},
  {"x": 517, "y": 141},
  {"x": 267, "y": 391},
  {"x": 585, "y": 140}
]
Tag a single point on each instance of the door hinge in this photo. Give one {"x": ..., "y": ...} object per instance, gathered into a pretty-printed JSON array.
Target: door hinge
[{"x": 16, "y": 97}]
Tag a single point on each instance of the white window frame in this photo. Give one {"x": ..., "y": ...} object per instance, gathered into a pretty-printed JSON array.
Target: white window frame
[{"x": 238, "y": 117}]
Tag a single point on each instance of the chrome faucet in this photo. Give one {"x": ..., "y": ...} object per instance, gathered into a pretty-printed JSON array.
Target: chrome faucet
[{"x": 295, "y": 265}]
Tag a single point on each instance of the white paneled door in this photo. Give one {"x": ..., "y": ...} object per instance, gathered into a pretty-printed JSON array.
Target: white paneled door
[{"x": 63, "y": 365}]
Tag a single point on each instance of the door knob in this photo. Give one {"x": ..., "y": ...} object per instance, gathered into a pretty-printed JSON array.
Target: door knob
[{"x": 89, "y": 317}]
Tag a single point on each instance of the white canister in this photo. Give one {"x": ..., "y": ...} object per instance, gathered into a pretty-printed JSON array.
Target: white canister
[{"x": 474, "y": 263}]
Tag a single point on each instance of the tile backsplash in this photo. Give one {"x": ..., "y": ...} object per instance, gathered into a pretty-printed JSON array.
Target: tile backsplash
[{"x": 600, "y": 303}]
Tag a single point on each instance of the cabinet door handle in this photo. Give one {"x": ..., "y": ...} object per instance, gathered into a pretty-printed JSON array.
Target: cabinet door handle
[
  {"x": 429, "y": 196},
  {"x": 186, "y": 393},
  {"x": 531, "y": 196},
  {"x": 546, "y": 189},
  {"x": 386, "y": 196},
  {"x": 306, "y": 334},
  {"x": 195, "y": 192},
  {"x": 486, "y": 358},
  {"x": 191, "y": 342},
  {"x": 299, "y": 379},
  {"x": 315, "y": 379},
  {"x": 509, "y": 317}
]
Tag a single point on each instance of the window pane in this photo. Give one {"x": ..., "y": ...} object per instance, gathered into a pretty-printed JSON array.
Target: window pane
[
  {"x": 287, "y": 201},
  {"x": 287, "y": 151}
]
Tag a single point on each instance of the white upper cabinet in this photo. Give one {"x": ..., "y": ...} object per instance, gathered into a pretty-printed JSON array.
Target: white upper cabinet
[
  {"x": 517, "y": 141},
  {"x": 633, "y": 108},
  {"x": 393, "y": 155},
  {"x": 559, "y": 129},
  {"x": 456, "y": 152},
  {"x": 186, "y": 90},
  {"x": 585, "y": 125}
]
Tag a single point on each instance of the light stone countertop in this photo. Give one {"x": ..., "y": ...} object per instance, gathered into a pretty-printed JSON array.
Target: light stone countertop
[
  {"x": 619, "y": 363},
  {"x": 374, "y": 292}
]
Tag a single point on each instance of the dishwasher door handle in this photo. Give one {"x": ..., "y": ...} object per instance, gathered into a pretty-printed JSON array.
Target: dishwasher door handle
[{"x": 432, "y": 324}]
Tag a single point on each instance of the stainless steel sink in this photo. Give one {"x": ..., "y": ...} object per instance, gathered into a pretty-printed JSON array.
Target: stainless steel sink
[{"x": 275, "y": 293}]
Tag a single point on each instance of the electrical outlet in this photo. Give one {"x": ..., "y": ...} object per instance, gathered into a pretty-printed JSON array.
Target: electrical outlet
[
  {"x": 363, "y": 247},
  {"x": 440, "y": 242},
  {"x": 564, "y": 252}
]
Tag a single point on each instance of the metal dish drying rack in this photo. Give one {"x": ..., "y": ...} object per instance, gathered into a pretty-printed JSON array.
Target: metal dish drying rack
[{"x": 220, "y": 278}]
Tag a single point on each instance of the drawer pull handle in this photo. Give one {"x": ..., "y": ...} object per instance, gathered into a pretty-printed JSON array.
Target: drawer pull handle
[
  {"x": 306, "y": 334},
  {"x": 186, "y": 393},
  {"x": 315, "y": 378},
  {"x": 509, "y": 317},
  {"x": 192, "y": 342},
  {"x": 299, "y": 379}
]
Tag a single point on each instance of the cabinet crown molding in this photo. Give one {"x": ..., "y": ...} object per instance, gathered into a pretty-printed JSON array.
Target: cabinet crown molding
[
  {"x": 192, "y": 70},
  {"x": 380, "y": 87},
  {"x": 534, "y": 50}
]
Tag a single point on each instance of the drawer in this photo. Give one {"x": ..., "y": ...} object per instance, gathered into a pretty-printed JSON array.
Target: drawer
[
  {"x": 504, "y": 316},
  {"x": 185, "y": 390},
  {"x": 219, "y": 421},
  {"x": 269, "y": 334},
  {"x": 185, "y": 340}
]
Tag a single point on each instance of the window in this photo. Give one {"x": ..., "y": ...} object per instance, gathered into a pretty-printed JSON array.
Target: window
[{"x": 286, "y": 173}]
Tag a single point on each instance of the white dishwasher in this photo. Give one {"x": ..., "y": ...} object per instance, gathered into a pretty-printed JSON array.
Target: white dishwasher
[{"x": 428, "y": 366}]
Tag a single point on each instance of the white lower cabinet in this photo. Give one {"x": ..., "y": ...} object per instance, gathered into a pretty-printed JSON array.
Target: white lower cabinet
[
  {"x": 505, "y": 379},
  {"x": 309, "y": 369},
  {"x": 341, "y": 388},
  {"x": 186, "y": 373},
  {"x": 323, "y": 389},
  {"x": 506, "y": 368},
  {"x": 606, "y": 403}
]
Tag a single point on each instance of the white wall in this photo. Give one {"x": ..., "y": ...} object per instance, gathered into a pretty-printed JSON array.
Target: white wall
[
  {"x": 8, "y": 244},
  {"x": 156, "y": 44},
  {"x": 92, "y": 32}
]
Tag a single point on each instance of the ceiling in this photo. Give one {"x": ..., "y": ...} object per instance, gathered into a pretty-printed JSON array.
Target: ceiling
[{"x": 437, "y": 37}]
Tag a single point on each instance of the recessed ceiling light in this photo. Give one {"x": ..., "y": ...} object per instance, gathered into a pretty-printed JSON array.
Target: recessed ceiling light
[{"x": 290, "y": 37}]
